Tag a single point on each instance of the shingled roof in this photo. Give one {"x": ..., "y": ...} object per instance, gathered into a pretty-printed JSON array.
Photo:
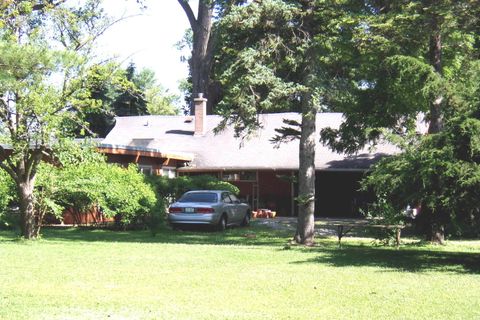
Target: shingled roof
[{"x": 174, "y": 135}]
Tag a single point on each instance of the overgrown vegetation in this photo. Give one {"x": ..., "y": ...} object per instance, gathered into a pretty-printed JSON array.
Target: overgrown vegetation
[
  {"x": 82, "y": 180},
  {"x": 440, "y": 174}
]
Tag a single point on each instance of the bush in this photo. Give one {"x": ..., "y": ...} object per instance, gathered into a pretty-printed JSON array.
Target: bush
[
  {"x": 171, "y": 189},
  {"x": 9, "y": 218},
  {"x": 156, "y": 217},
  {"x": 119, "y": 192}
]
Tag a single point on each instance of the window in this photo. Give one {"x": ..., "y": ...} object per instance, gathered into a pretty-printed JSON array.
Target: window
[
  {"x": 226, "y": 198},
  {"x": 234, "y": 198},
  {"x": 169, "y": 172},
  {"x": 240, "y": 176},
  {"x": 207, "y": 197},
  {"x": 146, "y": 170}
]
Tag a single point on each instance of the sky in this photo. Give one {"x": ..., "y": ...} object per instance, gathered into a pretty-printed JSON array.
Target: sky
[{"x": 147, "y": 38}]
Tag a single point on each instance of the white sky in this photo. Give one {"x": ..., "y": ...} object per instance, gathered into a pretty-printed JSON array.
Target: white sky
[{"x": 148, "y": 40}]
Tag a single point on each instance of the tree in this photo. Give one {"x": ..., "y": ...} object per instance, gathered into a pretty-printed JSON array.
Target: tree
[
  {"x": 441, "y": 172},
  {"x": 124, "y": 92},
  {"x": 398, "y": 73},
  {"x": 43, "y": 55},
  {"x": 159, "y": 100},
  {"x": 277, "y": 57},
  {"x": 203, "y": 45},
  {"x": 118, "y": 95}
]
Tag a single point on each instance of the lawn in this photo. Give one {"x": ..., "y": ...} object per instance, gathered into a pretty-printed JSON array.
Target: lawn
[{"x": 244, "y": 273}]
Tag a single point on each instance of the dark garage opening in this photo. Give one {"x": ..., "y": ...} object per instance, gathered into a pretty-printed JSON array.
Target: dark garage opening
[{"x": 338, "y": 194}]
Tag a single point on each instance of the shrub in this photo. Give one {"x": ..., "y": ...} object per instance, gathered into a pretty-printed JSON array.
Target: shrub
[
  {"x": 9, "y": 217},
  {"x": 172, "y": 189}
]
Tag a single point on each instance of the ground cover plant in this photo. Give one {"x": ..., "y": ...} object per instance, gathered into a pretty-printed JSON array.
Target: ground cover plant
[{"x": 244, "y": 273}]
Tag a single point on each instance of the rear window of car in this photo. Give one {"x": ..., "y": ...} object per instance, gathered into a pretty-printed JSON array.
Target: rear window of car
[{"x": 208, "y": 197}]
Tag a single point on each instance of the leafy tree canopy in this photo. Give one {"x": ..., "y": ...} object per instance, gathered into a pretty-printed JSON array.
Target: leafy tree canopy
[
  {"x": 125, "y": 92},
  {"x": 44, "y": 57},
  {"x": 400, "y": 58}
]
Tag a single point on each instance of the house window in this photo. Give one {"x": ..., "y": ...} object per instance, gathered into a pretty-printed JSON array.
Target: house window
[
  {"x": 169, "y": 172},
  {"x": 240, "y": 176},
  {"x": 146, "y": 170}
]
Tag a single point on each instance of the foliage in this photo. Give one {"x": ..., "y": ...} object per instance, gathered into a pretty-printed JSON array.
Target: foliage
[
  {"x": 391, "y": 76},
  {"x": 128, "y": 193},
  {"x": 382, "y": 212},
  {"x": 280, "y": 56},
  {"x": 124, "y": 92},
  {"x": 159, "y": 100},
  {"x": 115, "y": 190},
  {"x": 441, "y": 173},
  {"x": 389, "y": 72},
  {"x": 83, "y": 180},
  {"x": 155, "y": 219},
  {"x": 7, "y": 191},
  {"x": 44, "y": 54},
  {"x": 8, "y": 219},
  {"x": 256, "y": 58},
  {"x": 171, "y": 189}
]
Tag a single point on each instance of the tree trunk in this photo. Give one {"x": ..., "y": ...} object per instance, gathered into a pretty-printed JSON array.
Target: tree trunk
[
  {"x": 435, "y": 57},
  {"x": 202, "y": 48},
  {"x": 437, "y": 234},
  {"x": 200, "y": 64},
  {"x": 306, "y": 179},
  {"x": 437, "y": 230},
  {"x": 29, "y": 224},
  {"x": 433, "y": 224}
]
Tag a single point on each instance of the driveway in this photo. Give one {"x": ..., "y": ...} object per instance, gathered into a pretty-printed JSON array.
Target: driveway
[{"x": 290, "y": 223}]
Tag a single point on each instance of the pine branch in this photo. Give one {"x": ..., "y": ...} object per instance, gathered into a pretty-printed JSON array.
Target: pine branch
[{"x": 287, "y": 133}]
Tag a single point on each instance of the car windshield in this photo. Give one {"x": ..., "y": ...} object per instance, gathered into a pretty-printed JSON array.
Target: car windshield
[{"x": 209, "y": 197}]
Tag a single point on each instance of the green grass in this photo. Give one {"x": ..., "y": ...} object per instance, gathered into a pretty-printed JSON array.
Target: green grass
[{"x": 95, "y": 274}]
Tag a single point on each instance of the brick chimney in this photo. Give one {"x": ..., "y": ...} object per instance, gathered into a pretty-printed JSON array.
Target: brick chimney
[{"x": 200, "y": 115}]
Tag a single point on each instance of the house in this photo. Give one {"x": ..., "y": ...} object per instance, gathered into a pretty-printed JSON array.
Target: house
[{"x": 265, "y": 175}]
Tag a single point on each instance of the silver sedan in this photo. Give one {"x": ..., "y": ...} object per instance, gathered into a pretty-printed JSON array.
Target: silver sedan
[{"x": 219, "y": 208}]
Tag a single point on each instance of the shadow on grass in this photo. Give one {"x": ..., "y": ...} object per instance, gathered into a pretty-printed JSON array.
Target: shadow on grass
[
  {"x": 248, "y": 236},
  {"x": 411, "y": 258}
]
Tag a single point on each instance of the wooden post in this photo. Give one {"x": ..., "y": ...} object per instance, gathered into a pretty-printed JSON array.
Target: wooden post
[
  {"x": 340, "y": 235},
  {"x": 397, "y": 236}
]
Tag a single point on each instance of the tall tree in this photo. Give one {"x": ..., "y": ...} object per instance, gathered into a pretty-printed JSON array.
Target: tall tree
[
  {"x": 398, "y": 73},
  {"x": 203, "y": 45},
  {"x": 43, "y": 48},
  {"x": 277, "y": 57}
]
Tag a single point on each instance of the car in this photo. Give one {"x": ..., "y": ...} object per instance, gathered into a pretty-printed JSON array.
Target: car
[{"x": 218, "y": 208}]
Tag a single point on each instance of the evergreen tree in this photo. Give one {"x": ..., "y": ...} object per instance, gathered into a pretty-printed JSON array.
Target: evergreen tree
[
  {"x": 411, "y": 58},
  {"x": 278, "y": 56}
]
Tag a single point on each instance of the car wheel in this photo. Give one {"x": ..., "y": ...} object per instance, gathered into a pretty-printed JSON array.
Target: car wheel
[
  {"x": 222, "y": 224},
  {"x": 246, "y": 219}
]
